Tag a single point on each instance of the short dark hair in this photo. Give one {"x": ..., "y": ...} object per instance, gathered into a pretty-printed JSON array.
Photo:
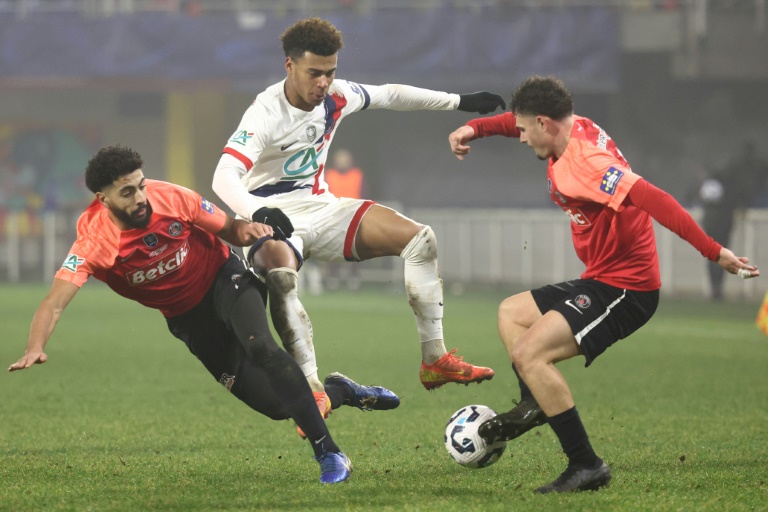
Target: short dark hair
[
  {"x": 110, "y": 164},
  {"x": 314, "y": 35},
  {"x": 542, "y": 96}
]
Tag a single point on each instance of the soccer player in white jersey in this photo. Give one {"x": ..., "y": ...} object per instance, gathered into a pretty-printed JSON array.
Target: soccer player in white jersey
[{"x": 271, "y": 170}]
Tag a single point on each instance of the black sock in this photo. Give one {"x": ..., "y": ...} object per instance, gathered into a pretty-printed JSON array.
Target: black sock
[
  {"x": 286, "y": 379},
  {"x": 525, "y": 392},
  {"x": 573, "y": 438},
  {"x": 324, "y": 445},
  {"x": 338, "y": 395}
]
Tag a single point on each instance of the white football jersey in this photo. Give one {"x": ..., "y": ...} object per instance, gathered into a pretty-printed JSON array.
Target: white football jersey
[{"x": 279, "y": 148}]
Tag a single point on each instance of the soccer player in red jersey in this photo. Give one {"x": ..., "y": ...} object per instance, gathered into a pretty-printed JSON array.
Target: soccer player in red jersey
[
  {"x": 158, "y": 244},
  {"x": 610, "y": 208}
]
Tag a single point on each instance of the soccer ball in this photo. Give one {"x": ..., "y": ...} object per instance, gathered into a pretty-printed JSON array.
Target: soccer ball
[{"x": 463, "y": 442}]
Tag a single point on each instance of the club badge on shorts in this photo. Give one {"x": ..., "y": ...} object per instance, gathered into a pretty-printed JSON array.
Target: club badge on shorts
[{"x": 583, "y": 301}]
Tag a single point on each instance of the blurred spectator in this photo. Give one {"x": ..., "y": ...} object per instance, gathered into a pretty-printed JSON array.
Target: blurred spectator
[
  {"x": 724, "y": 193},
  {"x": 345, "y": 179},
  {"x": 7, "y": 178},
  {"x": 41, "y": 170}
]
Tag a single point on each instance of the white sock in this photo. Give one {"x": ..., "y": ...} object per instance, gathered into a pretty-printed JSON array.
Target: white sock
[
  {"x": 425, "y": 292},
  {"x": 292, "y": 322}
]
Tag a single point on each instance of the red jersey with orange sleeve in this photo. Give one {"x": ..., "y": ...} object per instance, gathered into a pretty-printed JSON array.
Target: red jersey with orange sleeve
[
  {"x": 589, "y": 182},
  {"x": 169, "y": 265},
  {"x": 610, "y": 207}
]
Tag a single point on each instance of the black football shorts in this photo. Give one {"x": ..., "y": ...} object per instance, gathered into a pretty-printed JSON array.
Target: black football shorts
[{"x": 599, "y": 314}]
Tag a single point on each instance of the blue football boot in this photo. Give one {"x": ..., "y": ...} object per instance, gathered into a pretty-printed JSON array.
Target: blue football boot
[
  {"x": 366, "y": 398},
  {"x": 334, "y": 467}
]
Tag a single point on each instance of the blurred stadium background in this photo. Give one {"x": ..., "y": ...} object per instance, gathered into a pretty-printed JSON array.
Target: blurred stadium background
[{"x": 679, "y": 84}]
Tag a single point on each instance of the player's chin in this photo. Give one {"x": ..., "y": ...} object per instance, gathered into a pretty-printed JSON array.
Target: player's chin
[{"x": 140, "y": 218}]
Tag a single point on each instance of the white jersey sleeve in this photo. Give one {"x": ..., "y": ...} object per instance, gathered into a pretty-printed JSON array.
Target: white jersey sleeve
[
  {"x": 406, "y": 97},
  {"x": 228, "y": 185}
]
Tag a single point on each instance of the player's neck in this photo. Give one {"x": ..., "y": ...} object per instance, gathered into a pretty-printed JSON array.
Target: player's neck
[
  {"x": 294, "y": 98},
  {"x": 563, "y": 136}
]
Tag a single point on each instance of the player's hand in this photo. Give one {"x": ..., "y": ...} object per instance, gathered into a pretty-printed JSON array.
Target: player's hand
[
  {"x": 736, "y": 264},
  {"x": 250, "y": 232},
  {"x": 482, "y": 102},
  {"x": 458, "y": 140},
  {"x": 28, "y": 360},
  {"x": 277, "y": 219}
]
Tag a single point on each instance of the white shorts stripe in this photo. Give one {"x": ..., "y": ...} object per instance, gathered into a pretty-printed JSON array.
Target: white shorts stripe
[{"x": 596, "y": 321}]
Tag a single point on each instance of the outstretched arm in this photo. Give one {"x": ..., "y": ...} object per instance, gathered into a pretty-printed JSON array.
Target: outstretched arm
[
  {"x": 407, "y": 97},
  {"x": 45, "y": 319},
  {"x": 670, "y": 214}
]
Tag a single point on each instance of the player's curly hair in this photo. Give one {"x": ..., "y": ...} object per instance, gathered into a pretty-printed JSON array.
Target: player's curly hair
[
  {"x": 542, "y": 96},
  {"x": 110, "y": 164},
  {"x": 314, "y": 35}
]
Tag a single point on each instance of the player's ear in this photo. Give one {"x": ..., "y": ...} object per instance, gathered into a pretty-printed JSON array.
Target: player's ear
[
  {"x": 102, "y": 199},
  {"x": 288, "y": 64}
]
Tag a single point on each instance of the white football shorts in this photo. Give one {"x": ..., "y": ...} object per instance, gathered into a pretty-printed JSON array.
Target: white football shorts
[{"x": 324, "y": 226}]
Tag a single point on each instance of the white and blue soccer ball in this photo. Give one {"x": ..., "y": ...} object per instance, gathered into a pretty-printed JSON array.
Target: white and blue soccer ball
[{"x": 463, "y": 442}]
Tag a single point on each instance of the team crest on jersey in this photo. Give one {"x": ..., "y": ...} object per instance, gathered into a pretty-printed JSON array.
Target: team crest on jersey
[
  {"x": 311, "y": 132},
  {"x": 207, "y": 206},
  {"x": 150, "y": 240},
  {"x": 611, "y": 180},
  {"x": 72, "y": 262},
  {"x": 174, "y": 229},
  {"x": 227, "y": 381},
  {"x": 583, "y": 301}
]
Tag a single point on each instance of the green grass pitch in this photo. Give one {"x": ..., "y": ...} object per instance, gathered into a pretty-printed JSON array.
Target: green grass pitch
[{"x": 122, "y": 417}]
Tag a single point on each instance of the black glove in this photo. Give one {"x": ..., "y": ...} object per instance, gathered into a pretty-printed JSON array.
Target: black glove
[
  {"x": 481, "y": 102},
  {"x": 277, "y": 219}
]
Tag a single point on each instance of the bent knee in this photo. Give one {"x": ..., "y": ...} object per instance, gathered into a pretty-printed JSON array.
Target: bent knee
[
  {"x": 273, "y": 254},
  {"x": 524, "y": 355},
  {"x": 282, "y": 280},
  {"x": 422, "y": 246}
]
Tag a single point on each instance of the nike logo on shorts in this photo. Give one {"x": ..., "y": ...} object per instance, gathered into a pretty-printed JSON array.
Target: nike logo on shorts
[
  {"x": 286, "y": 146},
  {"x": 570, "y": 303}
]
